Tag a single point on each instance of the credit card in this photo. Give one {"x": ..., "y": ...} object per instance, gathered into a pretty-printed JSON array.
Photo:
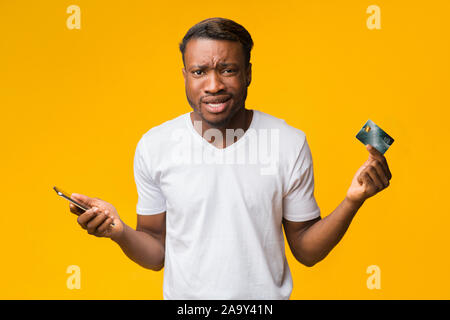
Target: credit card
[{"x": 372, "y": 134}]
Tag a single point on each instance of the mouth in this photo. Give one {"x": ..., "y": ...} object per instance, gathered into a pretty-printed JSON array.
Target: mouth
[{"x": 217, "y": 105}]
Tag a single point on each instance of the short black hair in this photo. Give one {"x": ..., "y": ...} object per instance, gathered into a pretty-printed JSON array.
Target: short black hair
[{"x": 220, "y": 29}]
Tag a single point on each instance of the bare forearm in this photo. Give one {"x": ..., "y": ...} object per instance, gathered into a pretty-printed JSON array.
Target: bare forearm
[
  {"x": 318, "y": 240},
  {"x": 142, "y": 248}
]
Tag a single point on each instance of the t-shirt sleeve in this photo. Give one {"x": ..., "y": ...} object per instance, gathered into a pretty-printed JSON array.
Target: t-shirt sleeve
[
  {"x": 299, "y": 203},
  {"x": 150, "y": 197}
]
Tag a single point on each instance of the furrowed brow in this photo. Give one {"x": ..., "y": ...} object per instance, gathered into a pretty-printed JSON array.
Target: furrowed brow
[
  {"x": 199, "y": 66},
  {"x": 205, "y": 66},
  {"x": 227, "y": 64}
]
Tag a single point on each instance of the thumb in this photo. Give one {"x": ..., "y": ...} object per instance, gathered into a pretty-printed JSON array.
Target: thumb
[
  {"x": 360, "y": 179},
  {"x": 83, "y": 199},
  {"x": 373, "y": 152},
  {"x": 115, "y": 223}
]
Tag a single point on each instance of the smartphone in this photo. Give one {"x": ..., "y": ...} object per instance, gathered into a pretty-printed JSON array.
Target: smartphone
[{"x": 66, "y": 196}]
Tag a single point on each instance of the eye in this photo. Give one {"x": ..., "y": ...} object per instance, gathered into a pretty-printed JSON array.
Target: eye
[
  {"x": 229, "y": 70},
  {"x": 197, "y": 72}
]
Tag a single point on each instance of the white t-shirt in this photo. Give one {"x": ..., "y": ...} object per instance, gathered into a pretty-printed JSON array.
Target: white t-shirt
[{"x": 224, "y": 207}]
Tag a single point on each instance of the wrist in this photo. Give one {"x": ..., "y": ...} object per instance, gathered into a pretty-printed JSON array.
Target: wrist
[
  {"x": 119, "y": 235},
  {"x": 354, "y": 203}
]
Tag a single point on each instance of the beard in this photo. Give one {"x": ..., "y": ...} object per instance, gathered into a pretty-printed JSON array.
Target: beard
[{"x": 219, "y": 124}]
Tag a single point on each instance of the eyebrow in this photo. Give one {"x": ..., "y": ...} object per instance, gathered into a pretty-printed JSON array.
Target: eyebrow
[{"x": 221, "y": 64}]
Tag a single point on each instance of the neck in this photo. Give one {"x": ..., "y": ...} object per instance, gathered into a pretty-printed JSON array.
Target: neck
[{"x": 240, "y": 120}]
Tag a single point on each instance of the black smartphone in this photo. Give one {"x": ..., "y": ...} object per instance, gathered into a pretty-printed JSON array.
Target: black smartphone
[{"x": 66, "y": 196}]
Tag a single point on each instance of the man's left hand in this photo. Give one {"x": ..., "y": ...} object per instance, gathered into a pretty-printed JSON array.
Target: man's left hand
[{"x": 373, "y": 176}]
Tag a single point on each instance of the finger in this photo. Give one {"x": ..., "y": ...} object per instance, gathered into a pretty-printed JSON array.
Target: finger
[
  {"x": 385, "y": 167},
  {"x": 382, "y": 174},
  {"x": 83, "y": 199},
  {"x": 389, "y": 174},
  {"x": 84, "y": 218},
  {"x": 113, "y": 223},
  {"x": 104, "y": 226},
  {"x": 365, "y": 179},
  {"x": 75, "y": 210},
  {"x": 382, "y": 161},
  {"x": 375, "y": 178},
  {"x": 374, "y": 154},
  {"x": 95, "y": 222}
]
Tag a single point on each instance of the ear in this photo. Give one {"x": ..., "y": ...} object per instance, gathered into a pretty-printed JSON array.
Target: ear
[
  {"x": 249, "y": 74},
  {"x": 184, "y": 74}
]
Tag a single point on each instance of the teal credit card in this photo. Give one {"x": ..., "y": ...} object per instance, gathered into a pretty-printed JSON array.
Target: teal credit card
[{"x": 372, "y": 134}]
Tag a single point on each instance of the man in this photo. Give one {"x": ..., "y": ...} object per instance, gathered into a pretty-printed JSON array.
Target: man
[{"x": 216, "y": 226}]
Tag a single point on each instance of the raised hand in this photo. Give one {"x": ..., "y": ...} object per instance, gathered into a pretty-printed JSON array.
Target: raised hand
[
  {"x": 101, "y": 220},
  {"x": 373, "y": 176}
]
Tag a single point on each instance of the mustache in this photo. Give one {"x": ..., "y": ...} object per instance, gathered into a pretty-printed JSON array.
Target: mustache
[{"x": 216, "y": 98}]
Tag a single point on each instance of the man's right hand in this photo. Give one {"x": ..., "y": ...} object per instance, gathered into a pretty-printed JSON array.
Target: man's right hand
[{"x": 99, "y": 219}]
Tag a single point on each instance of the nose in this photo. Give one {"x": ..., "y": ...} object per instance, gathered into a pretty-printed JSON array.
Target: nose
[{"x": 214, "y": 83}]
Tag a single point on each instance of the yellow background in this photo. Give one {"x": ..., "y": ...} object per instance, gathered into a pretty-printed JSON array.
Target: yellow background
[{"x": 74, "y": 104}]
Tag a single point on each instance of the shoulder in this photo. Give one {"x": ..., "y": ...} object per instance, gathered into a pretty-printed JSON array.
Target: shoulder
[
  {"x": 290, "y": 137},
  {"x": 164, "y": 129},
  {"x": 157, "y": 137}
]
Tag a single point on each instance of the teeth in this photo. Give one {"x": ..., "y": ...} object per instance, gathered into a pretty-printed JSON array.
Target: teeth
[{"x": 215, "y": 105}]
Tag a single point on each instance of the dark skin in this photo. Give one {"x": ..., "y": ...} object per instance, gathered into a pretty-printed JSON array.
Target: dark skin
[
  {"x": 216, "y": 70},
  {"x": 311, "y": 241}
]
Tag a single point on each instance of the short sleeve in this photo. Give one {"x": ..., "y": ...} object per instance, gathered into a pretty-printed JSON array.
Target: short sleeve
[
  {"x": 150, "y": 197},
  {"x": 299, "y": 203}
]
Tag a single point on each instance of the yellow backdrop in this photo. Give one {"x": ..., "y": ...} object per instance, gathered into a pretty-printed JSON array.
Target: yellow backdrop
[{"x": 74, "y": 103}]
